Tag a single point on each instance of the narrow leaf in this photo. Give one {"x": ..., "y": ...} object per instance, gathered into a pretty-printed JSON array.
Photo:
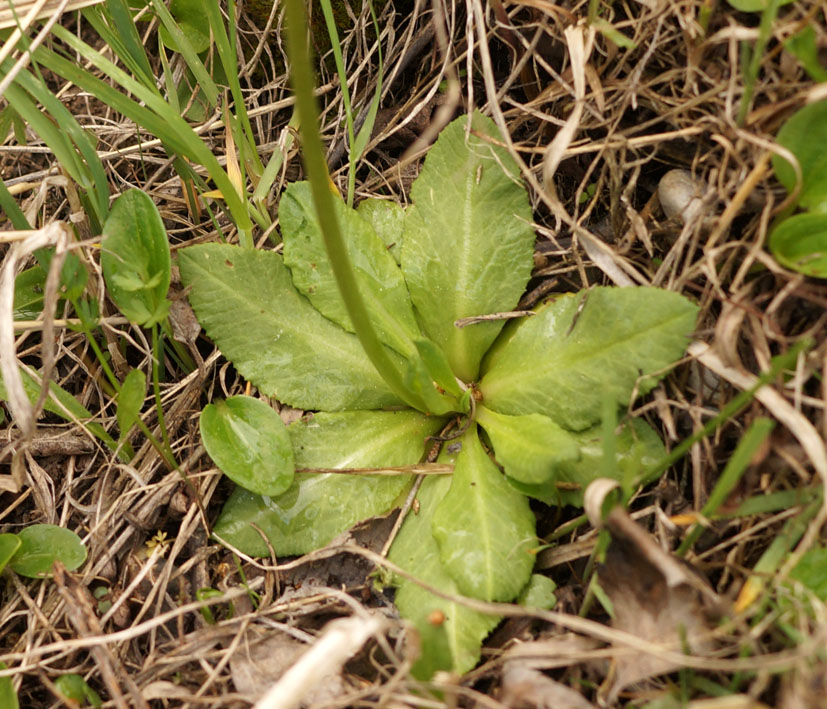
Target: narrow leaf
[
  {"x": 317, "y": 507},
  {"x": 467, "y": 240},
  {"x": 246, "y": 301},
  {"x": 43, "y": 544},
  {"x": 249, "y": 442},
  {"x": 484, "y": 528},
  {"x": 130, "y": 400},
  {"x": 531, "y": 447},
  {"x": 580, "y": 348},
  {"x": 450, "y": 634},
  {"x": 380, "y": 280},
  {"x": 135, "y": 258}
]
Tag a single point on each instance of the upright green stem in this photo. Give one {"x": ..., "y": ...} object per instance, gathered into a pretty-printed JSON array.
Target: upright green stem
[
  {"x": 316, "y": 167},
  {"x": 157, "y": 354}
]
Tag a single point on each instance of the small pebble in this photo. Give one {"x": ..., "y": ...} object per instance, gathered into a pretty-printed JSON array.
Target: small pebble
[{"x": 677, "y": 191}]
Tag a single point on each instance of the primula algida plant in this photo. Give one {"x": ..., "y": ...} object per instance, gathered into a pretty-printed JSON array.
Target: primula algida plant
[{"x": 528, "y": 396}]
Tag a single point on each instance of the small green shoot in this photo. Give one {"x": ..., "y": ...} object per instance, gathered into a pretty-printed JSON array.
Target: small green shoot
[
  {"x": 74, "y": 688},
  {"x": 43, "y": 544}
]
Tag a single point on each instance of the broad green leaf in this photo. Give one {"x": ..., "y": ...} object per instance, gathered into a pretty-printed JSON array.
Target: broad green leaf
[
  {"x": 135, "y": 258},
  {"x": 9, "y": 544},
  {"x": 74, "y": 687},
  {"x": 637, "y": 447},
  {"x": 43, "y": 544},
  {"x": 812, "y": 571},
  {"x": 130, "y": 400},
  {"x": 566, "y": 359},
  {"x": 484, "y": 528},
  {"x": 805, "y": 135},
  {"x": 246, "y": 302},
  {"x": 467, "y": 241},
  {"x": 387, "y": 219},
  {"x": 8, "y": 697},
  {"x": 451, "y": 645},
  {"x": 28, "y": 293},
  {"x": 250, "y": 443},
  {"x": 800, "y": 243},
  {"x": 531, "y": 447},
  {"x": 380, "y": 280},
  {"x": 317, "y": 507}
]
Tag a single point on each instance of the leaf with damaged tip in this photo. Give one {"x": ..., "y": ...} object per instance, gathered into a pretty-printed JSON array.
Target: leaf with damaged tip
[{"x": 637, "y": 448}]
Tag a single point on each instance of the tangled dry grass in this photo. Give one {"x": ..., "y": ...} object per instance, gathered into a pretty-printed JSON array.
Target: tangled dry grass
[{"x": 595, "y": 125}]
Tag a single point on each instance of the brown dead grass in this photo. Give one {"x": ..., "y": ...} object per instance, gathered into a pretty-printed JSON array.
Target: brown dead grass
[{"x": 670, "y": 102}]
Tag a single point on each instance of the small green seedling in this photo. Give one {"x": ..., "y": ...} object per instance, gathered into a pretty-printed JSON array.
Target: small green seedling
[
  {"x": 76, "y": 689},
  {"x": 33, "y": 552},
  {"x": 799, "y": 242},
  {"x": 523, "y": 401}
]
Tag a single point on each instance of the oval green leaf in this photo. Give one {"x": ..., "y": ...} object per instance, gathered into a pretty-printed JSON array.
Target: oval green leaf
[
  {"x": 800, "y": 243},
  {"x": 805, "y": 136},
  {"x": 43, "y": 544},
  {"x": 249, "y": 442},
  {"x": 135, "y": 258},
  {"x": 9, "y": 544}
]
